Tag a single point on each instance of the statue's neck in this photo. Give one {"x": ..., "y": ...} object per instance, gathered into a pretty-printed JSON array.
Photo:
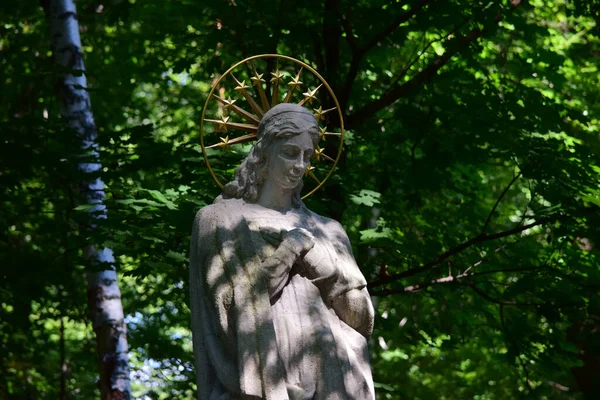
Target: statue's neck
[{"x": 275, "y": 197}]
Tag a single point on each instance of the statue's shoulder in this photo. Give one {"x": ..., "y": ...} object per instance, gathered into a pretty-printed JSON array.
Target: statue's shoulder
[
  {"x": 329, "y": 224},
  {"x": 220, "y": 211}
]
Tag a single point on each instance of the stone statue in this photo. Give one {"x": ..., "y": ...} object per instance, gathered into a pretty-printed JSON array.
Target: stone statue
[{"x": 279, "y": 307}]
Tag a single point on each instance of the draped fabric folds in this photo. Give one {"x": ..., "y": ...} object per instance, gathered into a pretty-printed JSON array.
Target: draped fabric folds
[{"x": 268, "y": 327}]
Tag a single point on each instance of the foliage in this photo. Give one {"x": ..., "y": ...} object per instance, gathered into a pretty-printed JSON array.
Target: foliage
[{"x": 468, "y": 186}]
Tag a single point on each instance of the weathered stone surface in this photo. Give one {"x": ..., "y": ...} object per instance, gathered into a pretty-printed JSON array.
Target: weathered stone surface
[{"x": 280, "y": 309}]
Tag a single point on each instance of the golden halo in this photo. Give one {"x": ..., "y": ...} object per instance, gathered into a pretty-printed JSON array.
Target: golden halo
[{"x": 252, "y": 118}]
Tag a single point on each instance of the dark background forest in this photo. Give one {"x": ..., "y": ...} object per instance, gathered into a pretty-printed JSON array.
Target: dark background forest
[{"x": 468, "y": 185}]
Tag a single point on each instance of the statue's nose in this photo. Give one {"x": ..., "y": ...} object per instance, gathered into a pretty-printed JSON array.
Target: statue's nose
[{"x": 298, "y": 165}]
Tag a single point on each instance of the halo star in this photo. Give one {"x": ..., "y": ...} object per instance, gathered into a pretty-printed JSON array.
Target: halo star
[
  {"x": 276, "y": 80},
  {"x": 320, "y": 113},
  {"x": 242, "y": 86},
  {"x": 294, "y": 84},
  {"x": 318, "y": 153},
  {"x": 277, "y": 77},
  {"x": 222, "y": 125},
  {"x": 257, "y": 79},
  {"x": 322, "y": 132},
  {"x": 310, "y": 95},
  {"x": 228, "y": 104},
  {"x": 225, "y": 143},
  {"x": 309, "y": 169}
]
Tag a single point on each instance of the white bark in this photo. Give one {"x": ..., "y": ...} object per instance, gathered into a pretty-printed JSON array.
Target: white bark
[
  {"x": 104, "y": 297},
  {"x": 106, "y": 313}
]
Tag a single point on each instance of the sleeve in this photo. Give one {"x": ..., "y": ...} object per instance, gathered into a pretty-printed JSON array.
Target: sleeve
[
  {"x": 232, "y": 323},
  {"x": 209, "y": 304},
  {"x": 278, "y": 265},
  {"x": 342, "y": 285},
  {"x": 353, "y": 306}
]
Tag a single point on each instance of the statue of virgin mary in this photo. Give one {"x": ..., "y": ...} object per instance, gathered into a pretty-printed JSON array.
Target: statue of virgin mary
[{"x": 279, "y": 307}]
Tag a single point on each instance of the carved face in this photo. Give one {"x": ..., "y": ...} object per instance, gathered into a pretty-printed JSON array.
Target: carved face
[{"x": 288, "y": 158}]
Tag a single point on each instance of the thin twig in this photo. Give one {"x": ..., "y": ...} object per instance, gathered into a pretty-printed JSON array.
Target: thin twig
[
  {"x": 478, "y": 239},
  {"x": 451, "y": 279},
  {"x": 402, "y": 18},
  {"x": 489, "y": 218},
  {"x": 423, "y": 77}
]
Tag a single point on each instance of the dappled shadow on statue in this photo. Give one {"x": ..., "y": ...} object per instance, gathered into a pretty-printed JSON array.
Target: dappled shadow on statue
[{"x": 279, "y": 307}]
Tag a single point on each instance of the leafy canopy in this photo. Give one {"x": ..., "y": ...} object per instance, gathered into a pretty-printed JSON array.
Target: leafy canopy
[{"x": 468, "y": 185}]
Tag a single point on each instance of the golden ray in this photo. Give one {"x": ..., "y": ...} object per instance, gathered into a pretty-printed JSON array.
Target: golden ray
[
  {"x": 320, "y": 113},
  {"x": 228, "y": 142},
  {"x": 241, "y": 87},
  {"x": 309, "y": 96},
  {"x": 293, "y": 85},
  {"x": 319, "y": 152},
  {"x": 224, "y": 123},
  {"x": 325, "y": 156},
  {"x": 312, "y": 175},
  {"x": 225, "y": 143},
  {"x": 229, "y": 105},
  {"x": 221, "y": 123},
  {"x": 322, "y": 132},
  {"x": 276, "y": 80},
  {"x": 309, "y": 169},
  {"x": 258, "y": 80}
]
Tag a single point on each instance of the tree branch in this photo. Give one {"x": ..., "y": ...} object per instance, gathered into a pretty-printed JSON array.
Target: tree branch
[
  {"x": 491, "y": 299},
  {"x": 276, "y": 31},
  {"x": 449, "y": 279},
  {"x": 515, "y": 342},
  {"x": 331, "y": 37},
  {"x": 402, "y": 18},
  {"x": 430, "y": 265},
  {"x": 489, "y": 218},
  {"x": 421, "y": 78},
  {"x": 349, "y": 33},
  {"x": 358, "y": 52},
  {"x": 423, "y": 52},
  {"x": 416, "y": 82},
  {"x": 413, "y": 62},
  {"x": 238, "y": 34},
  {"x": 350, "y": 78},
  {"x": 319, "y": 59}
]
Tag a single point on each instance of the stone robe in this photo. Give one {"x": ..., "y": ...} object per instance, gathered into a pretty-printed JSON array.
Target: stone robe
[{"x": 267, "y": 326}]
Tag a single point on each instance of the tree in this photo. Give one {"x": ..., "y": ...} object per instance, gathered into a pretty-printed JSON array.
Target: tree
[
  {"x": 104, "y": 297},
  {"x": 473, "y": 132}
]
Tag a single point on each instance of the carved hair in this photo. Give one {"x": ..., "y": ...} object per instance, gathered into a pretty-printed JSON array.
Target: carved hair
[{"x": 277, "y": 123}]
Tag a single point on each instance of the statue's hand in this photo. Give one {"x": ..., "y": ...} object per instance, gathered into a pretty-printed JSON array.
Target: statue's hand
[
  {"x": 272, "y": 236},
  {"x": 292, "y": 246},
  {"x": 299, "y": 240}
]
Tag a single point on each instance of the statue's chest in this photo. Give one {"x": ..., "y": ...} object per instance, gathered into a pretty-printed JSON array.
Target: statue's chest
[
  {"x": 258, "y": 221},
  {"x": 267, "y": 229}
]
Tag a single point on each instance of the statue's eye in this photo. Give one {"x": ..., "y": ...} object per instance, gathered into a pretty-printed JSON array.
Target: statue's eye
[{"x": 290, "y": 151}]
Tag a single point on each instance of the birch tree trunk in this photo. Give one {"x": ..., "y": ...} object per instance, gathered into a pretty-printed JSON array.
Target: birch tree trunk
[{"x": 104, "y": 296}]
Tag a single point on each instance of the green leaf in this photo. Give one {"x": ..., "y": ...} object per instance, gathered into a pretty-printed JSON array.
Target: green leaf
[
  {"x": 161, "y": 197},
  {"x": 366, "y": 197},
  {"x": 176, "y": 256},
  {"x": 85, "y": 207}
]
